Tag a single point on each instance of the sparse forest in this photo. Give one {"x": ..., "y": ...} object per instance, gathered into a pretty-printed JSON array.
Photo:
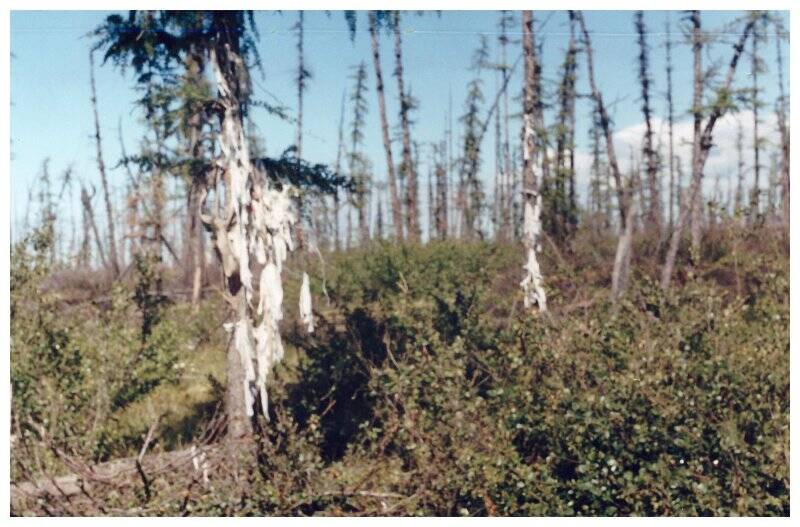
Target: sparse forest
[{"x": 522, "y": 316}]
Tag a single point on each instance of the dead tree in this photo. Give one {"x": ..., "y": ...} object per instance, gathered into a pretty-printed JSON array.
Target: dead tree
[
  {"x": 88, "y": 210},
  {"x": 441, "y": 197},
  {"x": 604, "y": 122},
  {"x": 397, "y": 213},
  {"x": 625, "y": 193},
  {"x": 532, "y": 283},
  {"x": 302, "y": 76},
  {"x": 113, "y": 260},
  {"x": 653, "y": 216},
  {"x": 755, "y": 106},
  {"x": 671, "y": 122},
  {"x": 412, "y": 207},
  {"x": 783, "y": 128},
  {"x": 703, "y": 136}
]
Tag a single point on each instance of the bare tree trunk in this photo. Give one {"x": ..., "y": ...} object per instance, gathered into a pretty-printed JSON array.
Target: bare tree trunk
[
  {"x": 302, "y": 75},
  {"x": 336, "y": 169},
  {"x": 697, "y": 102},
  {"x": 412, "y": 209},
  {"x": 397, "y": 212},
  {"x": 441, "y": 211},
  {"x": 654, "y": 209},
  {"x": 737, "y": 201},
  {"x": 622, "y": 261},
  {"x": 532, "y": 283},
  {"x": 605, "y": 124},
  {"x": 86, "y": 199},
  {"x": 755, "y": 200},
  {"x": 112, "y": 242},
  {"x": 671, "y": 121},
  {"x": 784, "y": 131},
  {"x": 622, "y": 258},
  {"x": 703, "y": 140}
]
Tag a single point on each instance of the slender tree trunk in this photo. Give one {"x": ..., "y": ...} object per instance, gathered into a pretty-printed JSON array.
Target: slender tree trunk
[
  {"x": 506, "y": 151},
  {"x": 532, "y": 283},
  {"x": 336, "y": 169},
  {"x": 703, "y": 140},
  {"x": 397, "y": 212},
  {"x": 671, "y": 121},
  {"x": 625, "y": 193},
  {"x": 86, "y": 200},
  {"x": 653, "y": 216},
  {"x": 412, "y": 208},
  {"x": 112, "y": 242},
  {"x": 755, "y": 200},
  {"x": 783, "y": 127},
  {"x": 441, "y": 194},
  {"x": 605, "y": 124},
  {"x": 302, "y": 75},
  {"x": 737, "y": 201}
]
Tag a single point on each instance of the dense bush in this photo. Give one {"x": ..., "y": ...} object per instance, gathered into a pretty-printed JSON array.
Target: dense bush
[
  {"x": 668, "y": 404},
  {"x": 75, "y": 370},
  {"x": 426, "y": 390}
]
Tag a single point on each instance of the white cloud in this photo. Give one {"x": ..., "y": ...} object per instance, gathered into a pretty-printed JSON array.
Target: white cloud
[{"x": 722, "y": 160}]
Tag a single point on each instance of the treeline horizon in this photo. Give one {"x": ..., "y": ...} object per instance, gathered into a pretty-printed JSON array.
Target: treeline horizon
[{"x": 446, "y": 189}]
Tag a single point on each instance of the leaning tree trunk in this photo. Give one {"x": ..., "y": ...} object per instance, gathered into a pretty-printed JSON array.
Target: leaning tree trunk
[
  {"x": 624, "y": 196},
  {"x": 112, "y": 242},
  {"x": 701, "y": 147},
  {"x": 533, "y": 283},
  {"x": 397, "y": 213},
  {"x": 86, "y": 200}
]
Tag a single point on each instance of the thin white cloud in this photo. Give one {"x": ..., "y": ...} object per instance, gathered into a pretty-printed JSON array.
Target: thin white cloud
[{"x": 722, "y": 160}]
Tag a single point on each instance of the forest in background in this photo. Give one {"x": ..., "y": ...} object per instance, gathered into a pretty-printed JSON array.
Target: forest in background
[{"x": 640, "y": 367}]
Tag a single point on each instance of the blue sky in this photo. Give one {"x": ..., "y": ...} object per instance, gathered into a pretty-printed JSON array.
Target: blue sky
[{"x": 51, "y": 113}]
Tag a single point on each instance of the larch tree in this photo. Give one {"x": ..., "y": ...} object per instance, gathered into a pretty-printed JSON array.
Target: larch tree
[
  {"x": 562, "y": 215},
  {"x": 251, "y": 230},
  {"x": 301, "y": 77}
]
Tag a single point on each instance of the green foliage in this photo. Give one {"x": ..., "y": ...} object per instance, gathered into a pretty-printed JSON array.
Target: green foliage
[
  {"x": 426, "y": 391},
  {"x": 665, "y": 406},
  {"x": 74, "y": 372}
]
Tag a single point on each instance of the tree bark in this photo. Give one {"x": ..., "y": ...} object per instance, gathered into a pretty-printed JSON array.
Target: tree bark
[
  {"x": 671, "y": 121},
  {"x": 619, "y": 274},
  {"x": 112, "y": 242},
  {"x": 653, "y": 216},
  {"x": 755, "y": 201},
  {"x": 397, "y": 212},
  {"x": 412, "y": 208},
  {"x": 86, "y": 199},
  {"x": 532, "y": 283},
  {"x": 784, "y": 133},
  {"x": 703, "y": 143},
  {"x": 605, "y": 125}
]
